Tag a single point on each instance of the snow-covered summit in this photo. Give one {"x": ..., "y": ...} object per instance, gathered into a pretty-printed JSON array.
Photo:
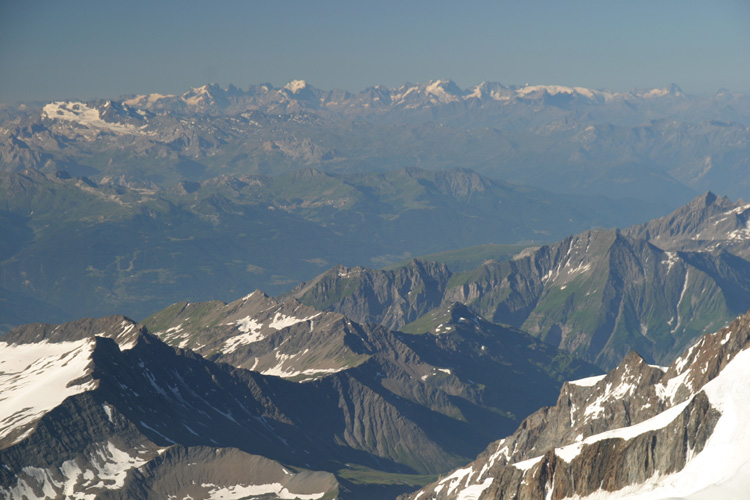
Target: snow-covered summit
[
  {"x": 85, "y": 116},
  {"x": 672, "y": 90},
  {"x": 296, "y": 86}
]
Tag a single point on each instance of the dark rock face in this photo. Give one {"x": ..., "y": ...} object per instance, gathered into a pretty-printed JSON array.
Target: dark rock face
[
  {"x": 120, "y": 328},
  {"x": 376, "y": 400},
  {"x": 390, "y": 298},
  {"x": 599, "y": 437},
  {"x": 86, "y": 447},
  {"x": 611, "y": 464}
]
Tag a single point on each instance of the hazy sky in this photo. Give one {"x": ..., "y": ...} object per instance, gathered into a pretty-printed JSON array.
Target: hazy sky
[{"x": 102, "y": 48}]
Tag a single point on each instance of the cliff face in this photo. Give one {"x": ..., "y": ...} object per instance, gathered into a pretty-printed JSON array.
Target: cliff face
[
  {"x": 391, "y": 298},
  {"x": 638, "y": 428}
]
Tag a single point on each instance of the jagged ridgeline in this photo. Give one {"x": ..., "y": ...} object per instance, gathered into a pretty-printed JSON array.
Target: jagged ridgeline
[
  {"x": 332, "y": 409},
  {"x": 641, "y": 432},
  {"x": 599, "y": 294}
]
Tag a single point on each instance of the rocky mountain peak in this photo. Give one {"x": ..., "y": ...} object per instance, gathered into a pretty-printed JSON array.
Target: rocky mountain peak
[
  {"x": 624, "y": 429},
  {"x": 462, "y": 183},
  {"x": 671, "y": 90},
  {"x": 296, "y": 86},
  {"x": 307, "y": 173},
  {"x": 703, "y": 201},
  {"x": 460, "y": 312},
  {"x": 391, "y": 298},
  {"x": 630, "y": 367},
  {"x": 120, "y": 328}
]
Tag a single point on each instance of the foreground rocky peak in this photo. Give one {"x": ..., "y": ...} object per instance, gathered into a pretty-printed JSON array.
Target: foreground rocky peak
[
  {"x": 119, "y": 437},
  {"x": 324, "y": 391},
  {"x": 120, "y": 328},
  {"x": 639, "y": 430}
]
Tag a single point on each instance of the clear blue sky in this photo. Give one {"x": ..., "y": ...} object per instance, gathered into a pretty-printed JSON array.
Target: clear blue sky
[{"x": 103, "y": 48}]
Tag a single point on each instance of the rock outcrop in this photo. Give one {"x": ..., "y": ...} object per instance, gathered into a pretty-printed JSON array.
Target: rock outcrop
[{"x": 626, "y": 429}]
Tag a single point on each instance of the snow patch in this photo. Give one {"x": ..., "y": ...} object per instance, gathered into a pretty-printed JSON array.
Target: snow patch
[
  {"x": 474, "y": 491},
  {"x": 35, "y": 378},
  {"x": 525, "y": 465},
  {"x": 244, "y": 491},
  {"x": 281, "y": 321},
  {"x": 588, "y": 381},
  {"x": 672, "y": 259},
  {"x": 105, "y": 468},
  {"x": 251, "y": 333},
  {"x": 296, "y": 85}
]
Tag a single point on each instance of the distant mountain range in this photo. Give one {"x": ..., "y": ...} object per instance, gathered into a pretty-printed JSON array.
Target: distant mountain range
[{"x": 635, "y": 144}]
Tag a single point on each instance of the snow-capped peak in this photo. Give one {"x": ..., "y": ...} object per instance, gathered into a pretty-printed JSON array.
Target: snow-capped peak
[
  {"x": 556, "y": 89},
  {"x": 670, "y": 90},
  {"x": 146, "y": 100},
  {"x": 676, "y": 432},
  {"x": 82, "y": 114},
  {"x": 296, "y": 86}
]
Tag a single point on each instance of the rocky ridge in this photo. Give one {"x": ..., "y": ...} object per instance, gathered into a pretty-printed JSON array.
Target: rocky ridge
[
  {"x": 598, "y": 294},
  {"x": 708, "y": 222},
  {"x": 102, "y": 407},
  {"x": 635, "y": 430},
  {"x": 435, "y": 369},
  {"x": 391, "y": 298}
]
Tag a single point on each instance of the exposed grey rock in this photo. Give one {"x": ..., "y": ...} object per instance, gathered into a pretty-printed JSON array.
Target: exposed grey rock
[
  {"x": 708, "y": 222},
  {"x": 384, "y": 406},
  {"x": 391, "y": 298},
  {"x": 120, "y": 328},
  {"x": 549, "y": 456}
]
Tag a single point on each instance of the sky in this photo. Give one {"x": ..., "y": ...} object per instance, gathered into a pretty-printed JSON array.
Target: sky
[{"x": 66, "y": 49}]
